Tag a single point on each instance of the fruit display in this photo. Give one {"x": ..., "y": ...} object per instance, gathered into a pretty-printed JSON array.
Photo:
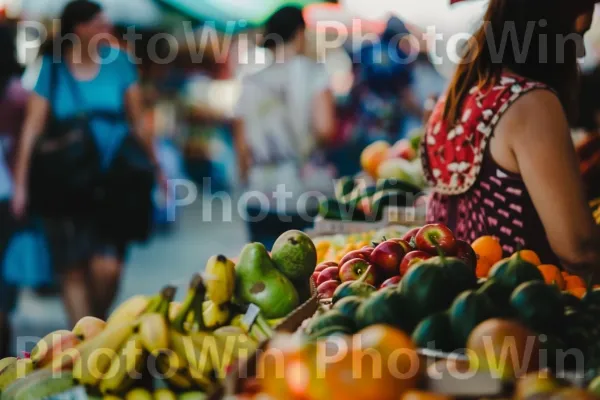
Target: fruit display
[
  {"x": 155, "y": 347},
  {"x": 335, "y": 247},
  {"x": 380, "y": 160},
  {"x": 438, "y": 298},
  {"x": 360, "y": 200}
]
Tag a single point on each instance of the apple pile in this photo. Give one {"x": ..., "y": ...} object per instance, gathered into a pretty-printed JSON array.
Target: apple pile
[{"x": 392, "y": 259}]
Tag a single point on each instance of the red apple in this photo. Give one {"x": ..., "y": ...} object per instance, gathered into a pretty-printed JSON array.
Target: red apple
[
  {"x": 354, "y": 269},
  {"x": 465, "y": 252},
  {"x": 363, "y": 254},
  {"x": 368, "y": 249},
  {"x": 326, "y": 289},
  {"x": 405, "y": 245},
  {"x": 410, "y": 235},
  {"x": 431, "y": 236},
  {"x": 393, "y": 281},
  {"x": 387, "y": 258},
  {"x": 412, "y": 258},
  {"x": 322, "y": 267},
  {"x": 328, "y": 274},
  {"x": 403, "y": 149}
]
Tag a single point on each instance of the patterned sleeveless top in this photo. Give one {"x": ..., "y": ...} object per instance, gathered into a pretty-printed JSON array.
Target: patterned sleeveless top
[{"x": 472, "y": 194}]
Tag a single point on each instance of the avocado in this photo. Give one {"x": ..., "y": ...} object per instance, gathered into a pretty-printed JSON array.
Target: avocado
[
  {"x": 258, "y": 281},
  {"x": 295, "y": 254}
]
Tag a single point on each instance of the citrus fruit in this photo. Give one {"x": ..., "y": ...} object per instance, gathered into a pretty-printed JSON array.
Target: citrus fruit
[
  {"x": 419, "y": 395},
  {"x": 488, "y": 247},
  {"x": 529, "y": 256},
  {"x": 578, "y": 292},
  {"x": 573, "y": 281},
  {"x": 484, "y": 266},
  {"x": 552, "y": 275},
  {"x": 504, "y": 348}
]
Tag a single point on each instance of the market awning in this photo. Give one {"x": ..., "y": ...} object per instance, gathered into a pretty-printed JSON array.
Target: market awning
[{"x": 231, "y": 15}]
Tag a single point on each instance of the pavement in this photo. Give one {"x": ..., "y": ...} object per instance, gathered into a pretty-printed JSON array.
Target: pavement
[{"x": 170, "y": 257}]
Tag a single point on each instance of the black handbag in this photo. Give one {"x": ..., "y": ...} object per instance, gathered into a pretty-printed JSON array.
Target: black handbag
[
  {"x": 65, "y": 163},
  {"x": 125, "y": 208}
]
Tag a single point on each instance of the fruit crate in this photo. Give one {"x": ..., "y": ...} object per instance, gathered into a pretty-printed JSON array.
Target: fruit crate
[{"x": 409, "y": 216}]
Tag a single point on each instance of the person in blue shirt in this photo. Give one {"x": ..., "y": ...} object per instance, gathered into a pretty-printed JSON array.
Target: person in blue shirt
[{"x": 84, "y": 75}]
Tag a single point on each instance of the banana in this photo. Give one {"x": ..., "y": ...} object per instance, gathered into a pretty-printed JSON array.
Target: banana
[
  {"x": 164, "y": 394},
  {"x": 193, "y": 396},
  {"x": 88, "y": 328},
  {"x": 174, "y": 309},
  {"x": 39, "y": 385},
  {"x": 233, "y": 346},
  {"x": 5, "y": 362},
  {"x": 138, "y": 394},
  {"x": 193, "y": 301},
  {"x": 94, "y": 357},
  {"x": 129, "y": 310},
  {"x": 125, "y": 368},
  {"x": 51, "y": 346},
  {"x": 215, "y": 316},
  {"x": 154, "y": 332},
  {"x": 14, "y": 372},
  {"x": 172, "y": 372},
  {"x": 219, "y": 274}
]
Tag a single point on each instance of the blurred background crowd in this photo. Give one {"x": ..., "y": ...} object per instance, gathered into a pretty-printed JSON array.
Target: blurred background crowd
[{"x": 194, "y": 110}]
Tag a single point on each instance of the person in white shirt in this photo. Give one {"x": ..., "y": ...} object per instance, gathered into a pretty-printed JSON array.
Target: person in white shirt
[{"x": 284, "y": 113}]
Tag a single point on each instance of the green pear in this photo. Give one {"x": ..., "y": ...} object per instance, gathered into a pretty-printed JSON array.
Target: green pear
[
  {"x": 258, "y": 281},
  {"x": 295, "y": 255}
]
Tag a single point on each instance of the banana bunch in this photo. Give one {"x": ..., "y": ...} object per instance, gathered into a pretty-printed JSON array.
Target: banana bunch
[{"x": 219, "y": 275}]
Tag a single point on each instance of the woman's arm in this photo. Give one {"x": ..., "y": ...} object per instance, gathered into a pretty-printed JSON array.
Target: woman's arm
[
  {"x": 538, "y": 135},
  {"x": 33, "y": 126}
]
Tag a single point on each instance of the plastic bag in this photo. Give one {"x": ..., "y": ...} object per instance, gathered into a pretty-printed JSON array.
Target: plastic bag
[{"x": 27, "y": 259}]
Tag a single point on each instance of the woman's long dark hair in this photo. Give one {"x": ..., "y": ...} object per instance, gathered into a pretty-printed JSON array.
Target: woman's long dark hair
[
  {"x": 550, "y": 58},
  {"x": 76, "y": 12},
  {"x": 9, "y": 67}
]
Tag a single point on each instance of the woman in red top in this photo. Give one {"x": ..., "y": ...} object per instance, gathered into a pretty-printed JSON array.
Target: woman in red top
[{"x": 498, "y": 150}]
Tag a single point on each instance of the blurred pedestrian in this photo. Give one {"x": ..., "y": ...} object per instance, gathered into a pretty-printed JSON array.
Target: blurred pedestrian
[
  {"x": 85, "y": 80},
  {"x": 13, "y": 99},
  {"x": 285, "y": 111}
]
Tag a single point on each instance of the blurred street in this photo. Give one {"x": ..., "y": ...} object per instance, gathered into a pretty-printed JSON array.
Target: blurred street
[{"x": 169, "y": 257}]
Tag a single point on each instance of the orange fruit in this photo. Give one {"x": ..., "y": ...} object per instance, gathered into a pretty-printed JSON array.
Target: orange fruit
[
  {"x": 578, "y": 292},
  {"x": 503, "y": 348},
  {"x": 564, "y": 274},
  {"x": 529, "y": 256},
  {"x": 419, "y": 395},
  {"x": 488, "y": 247},
  {"x": 573, "y": 281},
  {"x": 484, "y": 265},
  {"x": 394, "y": 371},
  {"x": 552, "y": 275}
]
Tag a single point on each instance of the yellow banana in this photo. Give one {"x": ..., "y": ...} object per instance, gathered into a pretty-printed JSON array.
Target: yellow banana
[
  {"x": 193, "y": 301},
  {"x": 220, "y": 279},
  {"x": 5, "y": 362},
  {"x": 138, "y": 394},
  {"x": 129, "y": 310},
  {"x": 233, "y": 346},
  {"x": 125, "y": 368},
  {"x": 88, "y": 328},
  {"x": 95, "y": 356},
  {"x": 154, "y": 332},
  {"x": 215, "y": 316},
  {"x": 174, "y": 309},
  {"x": 51, "y": 346},
  {"x": 15, "y": 371},
  {"x": 172, "y": 373},
  {"x": 194, "y": 352},
  {"x": 164, "y": 394}
]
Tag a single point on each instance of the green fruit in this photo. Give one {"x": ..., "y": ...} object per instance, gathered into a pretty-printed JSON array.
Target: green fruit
[
  {"x": 344, "y": 186},
  {"x": 348, "y": 306},
  {"x": 538, "y": 306},
  {"x": 328, "y": 319},
  {"x": 295, "y": 255},
  {"x": 469, "y": 310},
  {"x": 39, "y": 385},
  {"x": 499, "y": 269},
  {"x": 259, "y": 281},
  {"x": 518, "y": 272},
  {"x": 594, "y": 387},
  {"x": 352, "y": 288},
  {"x": 387, "y": 307},
  {"x": 426, "y": 285},
  {"x": 388, "y": 198},
  {"x": 398, "y": 186},
  {"x": 499, "y": 296},
  {"x": 331, "y": 331},
  {"x": 461, "y": 277},
  {"x": 435, "y": 332},
  {"x": 569, "y": 300}
]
